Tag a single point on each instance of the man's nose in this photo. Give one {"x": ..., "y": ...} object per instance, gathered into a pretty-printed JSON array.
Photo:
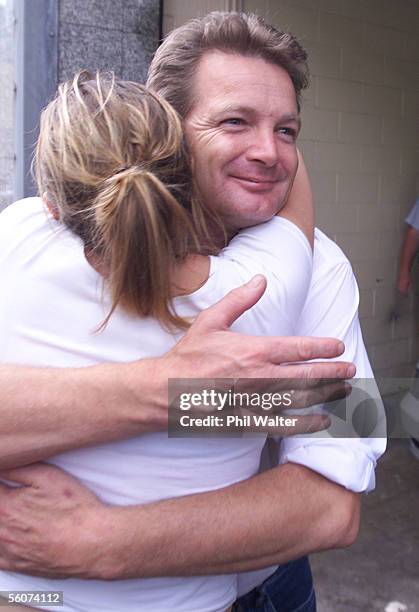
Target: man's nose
[{"x": 264, "y": 148}]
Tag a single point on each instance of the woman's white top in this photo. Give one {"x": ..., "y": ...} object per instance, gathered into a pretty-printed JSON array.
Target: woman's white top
[{"x": 52, "y": 302}]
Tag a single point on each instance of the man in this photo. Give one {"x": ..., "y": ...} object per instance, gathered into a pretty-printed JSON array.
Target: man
[{"x": 242, "y": 152}]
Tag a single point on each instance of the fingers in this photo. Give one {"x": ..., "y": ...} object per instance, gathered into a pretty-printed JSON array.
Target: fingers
[
  {"x": 317, "y": 370},
  {"x": 330, "y": 392},
  {"x": 300, "y": 348},
  {"x": 223, "y": 314},
  {"x": 30, "y": 475}
]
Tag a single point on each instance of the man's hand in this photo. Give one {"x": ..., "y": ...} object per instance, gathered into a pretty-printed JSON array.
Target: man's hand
[
  {"x": 211, "y": 350},
  {"x": 55, "y": 527},
  {"x": 44, "y": 524},
  {"x": 404, "y": 283}
]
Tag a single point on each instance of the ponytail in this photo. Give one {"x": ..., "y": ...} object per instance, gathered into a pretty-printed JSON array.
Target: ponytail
[
  {"x": 140, "y": 244},
  {"x": 112, "y": 157}
]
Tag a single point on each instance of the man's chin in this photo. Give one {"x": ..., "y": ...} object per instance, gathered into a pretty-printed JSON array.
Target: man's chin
[
  {"x": 241, "y": 221},
  {"x": 252, "y": 215}
]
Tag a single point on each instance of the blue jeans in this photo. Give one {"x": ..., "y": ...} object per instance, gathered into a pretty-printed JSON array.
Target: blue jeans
[{"x": 289, "y": 589}]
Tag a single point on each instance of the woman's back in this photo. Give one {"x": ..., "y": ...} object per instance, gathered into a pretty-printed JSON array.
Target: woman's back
[{"x": 50, "y": 315}]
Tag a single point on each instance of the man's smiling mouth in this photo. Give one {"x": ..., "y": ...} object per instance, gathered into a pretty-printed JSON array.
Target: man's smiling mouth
[
  {"x": 251, "y": 179},
  {"x": 255, "y": 184}
]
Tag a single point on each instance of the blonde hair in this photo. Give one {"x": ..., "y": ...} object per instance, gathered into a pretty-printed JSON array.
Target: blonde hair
[
  {"x": 175, "y": 62},
  {"x": 112, "y": 158}
]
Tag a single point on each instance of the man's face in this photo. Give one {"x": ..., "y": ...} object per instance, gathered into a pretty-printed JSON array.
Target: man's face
[{"x": 242, "y": 130}]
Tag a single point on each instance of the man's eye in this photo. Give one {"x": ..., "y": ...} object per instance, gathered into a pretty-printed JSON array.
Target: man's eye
[
  {"x": 233, "y": 121},
  {"x": 287, "y": 131}
]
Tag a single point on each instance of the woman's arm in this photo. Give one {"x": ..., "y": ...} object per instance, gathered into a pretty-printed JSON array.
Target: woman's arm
[{"x": 299, "y": 207}]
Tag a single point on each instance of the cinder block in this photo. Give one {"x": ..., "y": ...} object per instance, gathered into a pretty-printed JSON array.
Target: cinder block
[
  {"x": 380, "y": 159},
  {"x": 410, "y": 104},
  {"x": 394, "y": 190},
  {"x": 405, "y": 327},
  {"x": 183, "y": 10},
  {"x": 97, "y": 13},
  {"x": 358, "y": 246},
  {"x": 339, "y": 94},
  {"x": 87, "y": 47},
  {"x": 332, "y": 218},
  {"x": 331, "y": 6},
  {"x": 337, "y": 157},
  {"x": 382, "y": 100},
  {"x": 390, "y": 354},
  {"x": 308, "y": 95},
  {"x": 339, "y": 30},
  {"x": 401, "y": 73},
  {"x": 362, "y": 65},
  {"x": 386, "y": 239},
  {"x": 384, "y": 302},
  {"x": 388, "y": 41},
  {"x": 411, "y": 47},
  {"x": 319, "y": 124},
  {"x": 377, "y": 218},
  {"x": 398, "y": 132},
  {"x": 260, "y": 7},
  {"x": 409, "y": 161},
  {"x": 359, "y": 188},
  {"x": 301, "y": 21},
  {"x": 324, "y": 187},
  {"x": 168, "y": 23},
  {"x": 390, "y": 13},
  {"x": 359, "y": 129},
  {"x": 376, "y": 273},
  {"x": 353, "y": 8},
  {"x": 324, "y": 60},
  {"x": 366, "y": 302},
  {"x": 376, "y": 330},
  {"x": 402, "y": 370}
]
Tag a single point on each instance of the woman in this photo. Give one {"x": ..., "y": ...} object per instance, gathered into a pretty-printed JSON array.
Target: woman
[{"x": 118, "y": 278}]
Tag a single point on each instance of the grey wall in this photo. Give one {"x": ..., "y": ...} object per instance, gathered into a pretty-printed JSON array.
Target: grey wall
[
  {"x": 43, "y": 42},
  {"x": 118, "y": 35},
  {"x": 7, "y": 162}
]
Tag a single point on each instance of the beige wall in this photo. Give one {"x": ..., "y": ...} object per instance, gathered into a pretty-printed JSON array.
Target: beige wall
[{"x": 358, "y": 138}]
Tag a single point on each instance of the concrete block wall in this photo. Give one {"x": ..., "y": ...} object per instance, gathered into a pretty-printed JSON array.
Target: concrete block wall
[
  {"x": 359, "y": 141},
  {"x": 118, "y": 35}
]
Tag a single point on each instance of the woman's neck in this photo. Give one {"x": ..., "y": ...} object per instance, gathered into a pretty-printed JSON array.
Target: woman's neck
[{"x": 188, "y": 276}]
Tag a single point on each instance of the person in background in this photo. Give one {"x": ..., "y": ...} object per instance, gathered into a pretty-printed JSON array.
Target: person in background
[
  {"x": 405, "y": 285},
  {"x": 409, "y": 250}
]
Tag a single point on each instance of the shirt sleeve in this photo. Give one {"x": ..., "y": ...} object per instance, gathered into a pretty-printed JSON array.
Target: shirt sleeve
[
  {"x": 279, "y": 250},
  {"x": 332, "y": 310},
  {"x": 413, "y": 217}
]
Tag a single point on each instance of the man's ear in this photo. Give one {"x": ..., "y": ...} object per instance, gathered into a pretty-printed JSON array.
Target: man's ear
[{"x": 52, "y": 207}]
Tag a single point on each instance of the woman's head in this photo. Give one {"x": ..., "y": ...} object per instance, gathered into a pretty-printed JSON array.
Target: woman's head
[{"x": 111, "y": 157}]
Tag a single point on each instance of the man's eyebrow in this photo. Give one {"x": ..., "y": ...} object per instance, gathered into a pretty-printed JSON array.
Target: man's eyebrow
[
  {"x": 290, "y": 117},
  {"x": 232, "y": 108}
]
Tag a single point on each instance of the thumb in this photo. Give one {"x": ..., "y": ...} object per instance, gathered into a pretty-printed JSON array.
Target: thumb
[
  {"x": 30, "y": 475},
  {"x": 223, "y": 314}
]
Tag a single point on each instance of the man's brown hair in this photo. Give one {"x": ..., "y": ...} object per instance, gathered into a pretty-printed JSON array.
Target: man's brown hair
[{"x": 175, "y": 62}]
